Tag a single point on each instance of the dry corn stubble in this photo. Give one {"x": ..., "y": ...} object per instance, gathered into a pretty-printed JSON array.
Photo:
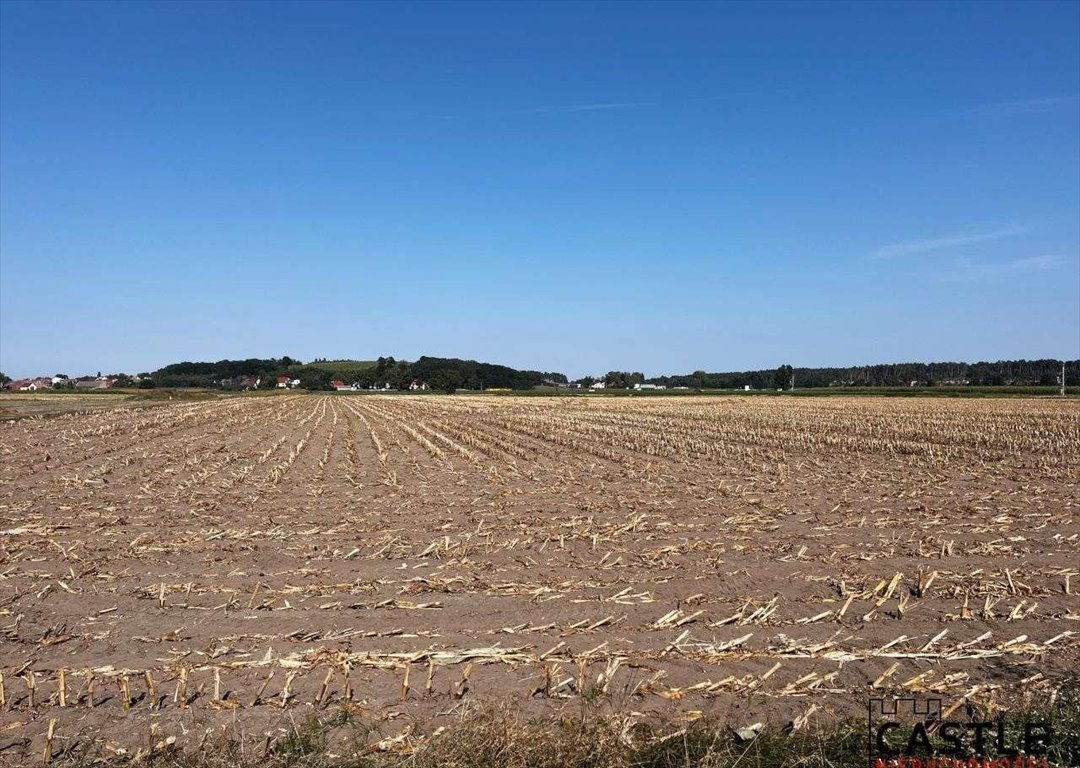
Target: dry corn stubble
[{"x": 244, "y": 560}]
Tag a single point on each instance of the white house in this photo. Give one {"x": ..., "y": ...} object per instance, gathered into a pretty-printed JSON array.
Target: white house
[
  {"x": 35, "y": 384},
  {"x": 597, "y": 385}
]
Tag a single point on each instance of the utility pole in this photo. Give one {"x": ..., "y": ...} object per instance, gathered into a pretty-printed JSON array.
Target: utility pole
[
  {"x": 792, "y": 379},
  {"x": 1063, "y": 379}
]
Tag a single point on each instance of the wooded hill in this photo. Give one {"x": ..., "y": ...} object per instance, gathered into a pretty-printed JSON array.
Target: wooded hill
[
  {"x": 437, "y": 372},
  {"x": 442, "y": 373}
]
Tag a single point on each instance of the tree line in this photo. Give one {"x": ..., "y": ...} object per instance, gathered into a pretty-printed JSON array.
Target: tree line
[
  {"x": 438, "y": 373},
  {"x": 211, "y": 375},
  {"x": 448, "y": 374},
  {"x": 1002, "y": 372}
]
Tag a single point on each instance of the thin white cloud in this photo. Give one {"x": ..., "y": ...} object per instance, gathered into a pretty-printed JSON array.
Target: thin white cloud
[
  {"x": 602, "y": 106},
  {"x": 1049, "y": 261},
  {"x": 564, "y": 109},
  {"x": 1026, "y": 106},
  {"x": 941, "y": 243},
  {"x": 963, "y": 270},
  {"x": 595, "y": 107}
]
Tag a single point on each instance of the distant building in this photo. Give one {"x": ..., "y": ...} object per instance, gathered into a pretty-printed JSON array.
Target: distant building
[
  {"x": 284, "y": 382},
  {"x": 597, "y": 385},
  {"x": 29, "y": 385},
  {"x": 241, "y": 382},
  {"x": 341, "y": 386},
  {"x": 93, "y": 382},
  {"x": 418, "y": 385},
  {"x": 649, "y": 386}
]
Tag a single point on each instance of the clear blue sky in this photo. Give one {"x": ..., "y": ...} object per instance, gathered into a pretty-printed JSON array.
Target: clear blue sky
[{"x": 569, "y": 186}]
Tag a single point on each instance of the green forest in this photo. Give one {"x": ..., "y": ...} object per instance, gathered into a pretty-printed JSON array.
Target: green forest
[
  {"x": 444, "y": 374},
  {"x": 984, "y": 374},
  {"x": 449, "y": 374}
]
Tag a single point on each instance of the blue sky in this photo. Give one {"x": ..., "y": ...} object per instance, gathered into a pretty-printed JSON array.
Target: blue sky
[{"x": 567, "y": 186}]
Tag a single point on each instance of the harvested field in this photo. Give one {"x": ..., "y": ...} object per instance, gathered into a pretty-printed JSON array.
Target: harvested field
[
  {"x": 245, "y": 562},
  {"x": 29, "y": 404}
]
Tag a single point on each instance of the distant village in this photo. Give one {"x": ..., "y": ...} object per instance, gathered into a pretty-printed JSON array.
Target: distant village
[
  {"x": 61, "y": 381},
  {"x": 589, "y": 383},
  {"x": 287, "y": 382},
  {"x": 240, "y": 383},
  {"x": 449, "y": 375}
]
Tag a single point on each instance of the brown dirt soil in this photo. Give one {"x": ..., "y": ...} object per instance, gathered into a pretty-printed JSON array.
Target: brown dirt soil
[{"x": 245, "y": 562}]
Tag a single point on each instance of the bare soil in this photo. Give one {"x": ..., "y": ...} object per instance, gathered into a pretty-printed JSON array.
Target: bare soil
[{"x": 245, "y": 562}]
